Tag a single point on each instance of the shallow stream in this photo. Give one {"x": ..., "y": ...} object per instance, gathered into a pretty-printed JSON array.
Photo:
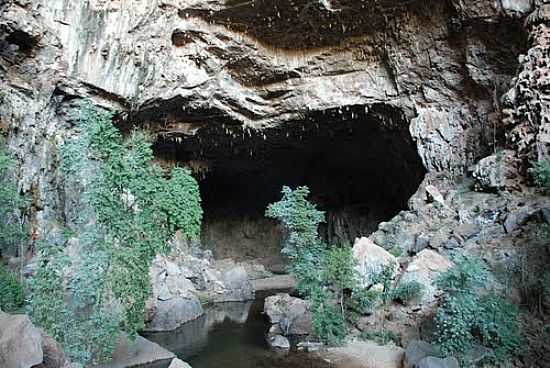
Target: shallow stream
[{"x": 231, "y": 335}]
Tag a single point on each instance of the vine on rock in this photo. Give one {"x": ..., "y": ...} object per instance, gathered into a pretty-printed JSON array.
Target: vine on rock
[{"x": 129, "y": 210}]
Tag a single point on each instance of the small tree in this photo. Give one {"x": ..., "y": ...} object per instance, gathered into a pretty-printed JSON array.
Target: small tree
[
  {"x": 300, "y": 217},
  {"x": 340, "y": 272}
]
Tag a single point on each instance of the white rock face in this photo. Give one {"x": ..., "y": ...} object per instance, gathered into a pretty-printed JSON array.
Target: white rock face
[
  {"x": 425, "y": 268},
  {"x": 371, "y": 259}
]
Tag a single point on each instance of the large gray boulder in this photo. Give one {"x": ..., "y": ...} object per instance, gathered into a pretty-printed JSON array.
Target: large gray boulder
[
  {"x": 170, "y": 314},
  {"x": 20, "y": 342},
  {"x": 236, "y": 285},
  {"x": 418, "y": 350},
  {"x": 420, "y": 354},
  {"x": 138, "y": 353},
  {"x": 289, "y": 315}
]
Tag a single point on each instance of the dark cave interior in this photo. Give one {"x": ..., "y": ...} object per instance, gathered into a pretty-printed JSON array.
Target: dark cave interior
[{"x": 360, "y": 164}]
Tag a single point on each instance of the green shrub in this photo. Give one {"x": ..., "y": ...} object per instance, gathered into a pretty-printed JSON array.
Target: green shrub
[
  {"x": 13, "y": 233},
  {"x": 320, "y": 272},
  {"x": 541, "y": 173},
  {"x": 497, "y": 322},
  {"x": 11, "y": 291},
  {"x": 364, "y": 300},
  {"x": 465, "y": 318},
  {"x": 340, "y": 273},
  {"x": 129, "y": 210},
  {"x": 328, "y": 323},
  {"x": 407, "y": 291}
]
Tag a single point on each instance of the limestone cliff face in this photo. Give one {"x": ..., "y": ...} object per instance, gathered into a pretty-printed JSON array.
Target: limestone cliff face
[{"x": 438, "y": 69}]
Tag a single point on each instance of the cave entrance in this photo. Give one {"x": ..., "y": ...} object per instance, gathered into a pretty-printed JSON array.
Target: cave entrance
[{"x": 360, "y": 164}]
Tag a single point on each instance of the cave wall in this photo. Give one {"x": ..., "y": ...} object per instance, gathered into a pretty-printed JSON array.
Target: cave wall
[{"x": 176, "y": 67}]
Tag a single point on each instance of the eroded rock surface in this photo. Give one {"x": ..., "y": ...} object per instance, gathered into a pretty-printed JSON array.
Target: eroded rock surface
[
  {"x": 288, "y": 315},
  {"x": 20, "y": 342}
]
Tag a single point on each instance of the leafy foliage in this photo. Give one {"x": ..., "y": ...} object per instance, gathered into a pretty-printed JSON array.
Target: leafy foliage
[
  {"x": 339, "y": 272},
  {"x": 11, "y": 291},
  {"x": 465, "y": 318},
  {"x": 541, "y": 173},
  {"x": 497, "y": 321},
  {"x": 12, "y": 232},
  {"x": 328, "y": 323},
  {"x": 128, "y": 213},
  {"x": 407, "y": 291},
  {"x": 300, "y": 217},
  {"x": 313, "y": 265},
  {"x": 47, "y": 307},
  {"x": 326, "y": 275}
]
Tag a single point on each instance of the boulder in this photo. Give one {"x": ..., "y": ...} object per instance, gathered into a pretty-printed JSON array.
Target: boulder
[
  {"x": 177, "y": 363},
  {"x": 517, "y": 218},
  {"x": 365, "y": 354},
  {"x": 278, "y": 342},
  {"x": 236, "y": 284},
  {"x": 289, "y": 315},
  {"x": 20, "y": 342},
  {"x": 418, "y": 350},
  {"x": 434, "y": 362},
  {"x": 138, "y": 353},
  {"x": 425, "y": 268},
  {"x": 371, "y": 259},
  {"x": 501, "y": 171},
  {"x": 54, "y": 356},
  {"x": 169, "y": 314}
]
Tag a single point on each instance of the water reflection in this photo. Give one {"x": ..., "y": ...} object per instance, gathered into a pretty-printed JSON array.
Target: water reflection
[{"x": 230, "y": 335}]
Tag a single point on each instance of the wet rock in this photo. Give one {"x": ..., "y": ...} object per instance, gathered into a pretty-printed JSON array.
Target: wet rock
[
  {"x": 371, "y": 259},
  {"x": 289, "y": 315},
  {"x": 20, "y": 342},
  {"x": 279, "y": 342},
  {"x": 169, "y": 314},
  {"x": 424, "y": 268},
  {"x": 138, "y": 353},
  {"x": 236, "y": 284}
]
